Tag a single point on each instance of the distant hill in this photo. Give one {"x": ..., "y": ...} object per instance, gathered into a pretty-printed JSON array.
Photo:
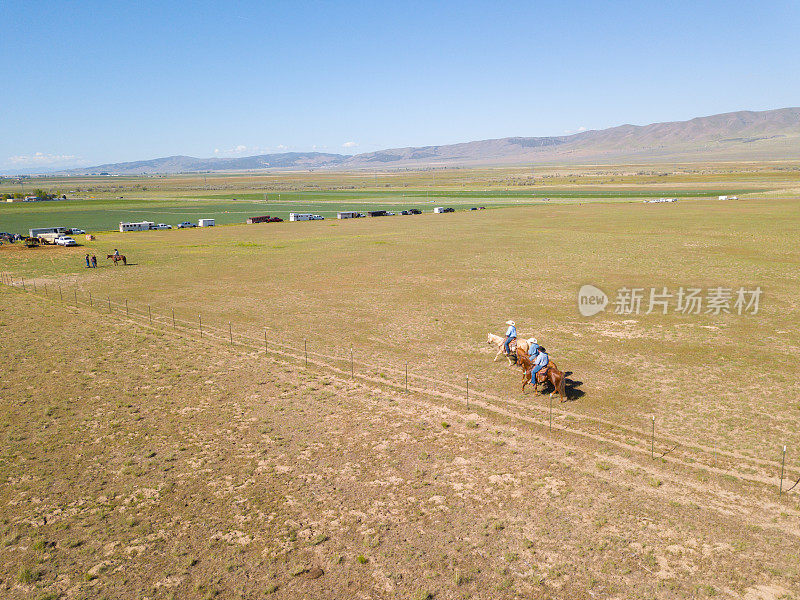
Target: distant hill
[{"x": 744, "y": 135}]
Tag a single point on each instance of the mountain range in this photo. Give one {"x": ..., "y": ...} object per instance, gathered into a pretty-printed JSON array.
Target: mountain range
[{"x": 743, "y": 135}]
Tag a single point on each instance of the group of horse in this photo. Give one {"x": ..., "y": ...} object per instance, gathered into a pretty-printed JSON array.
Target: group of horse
[{"x": 519, "y": 356}]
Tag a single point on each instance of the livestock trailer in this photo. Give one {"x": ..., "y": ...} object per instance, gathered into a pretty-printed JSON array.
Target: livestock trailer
[
  {"x": 438, "y": 209},
  {"x": 37, "y": 230},
  {"x": 348, "y": 214},
  {"x": 205, "y": 223},
  {"x": 140, "y": 226},
  {"x": 305, "y": 217}
]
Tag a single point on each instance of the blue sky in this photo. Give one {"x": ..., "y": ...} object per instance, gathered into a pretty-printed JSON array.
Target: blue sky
[{"x": 92, "y": 82}]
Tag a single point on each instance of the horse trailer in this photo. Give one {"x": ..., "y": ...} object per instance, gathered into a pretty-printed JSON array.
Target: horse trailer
[
  {"x": 348, "y": 214},
  {"x": 37, "y": 230},
  {"x": 140, "y": 226},
  {"x": 205, "y": 223},
  {"x": 305, "y": 217}
]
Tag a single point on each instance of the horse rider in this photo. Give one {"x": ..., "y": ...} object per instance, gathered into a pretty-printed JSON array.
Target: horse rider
[
  {"x": 533, "y": 348},
  {"x": 116, "y": 253},
  {"x": 511, "y": 334},
  {"x": 542, "y": 360}
]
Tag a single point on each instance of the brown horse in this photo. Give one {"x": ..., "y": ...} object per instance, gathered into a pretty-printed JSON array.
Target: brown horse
[
  {"x": 549, "y": 373},
  {"x": 116, "y": 258}
]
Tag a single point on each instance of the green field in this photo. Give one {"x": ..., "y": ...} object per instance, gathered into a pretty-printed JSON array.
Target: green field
[
  {"x": 105, "y": 214},
  {"x": 100, "y": 203}
]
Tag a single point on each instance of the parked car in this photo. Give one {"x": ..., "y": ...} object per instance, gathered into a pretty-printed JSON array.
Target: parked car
[
  {"x": 66, "y": 241},
  {"x": 449, "y": 210},
  {"x": 186, "y": 225},
  {"x": 163, "y": 226},
  {"x": 78, "y": 232},
  {"x": 414, "y": 211}
]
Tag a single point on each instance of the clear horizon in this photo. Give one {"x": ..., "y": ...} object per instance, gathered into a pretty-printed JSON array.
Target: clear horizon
[{"x": 89, "y": 83}]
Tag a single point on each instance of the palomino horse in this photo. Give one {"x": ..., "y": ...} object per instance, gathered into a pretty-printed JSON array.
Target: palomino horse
[
  {"x": 497, "y": 342},
  {"x": 116, "y": 258},
  {"x": 549, "y": 373}
]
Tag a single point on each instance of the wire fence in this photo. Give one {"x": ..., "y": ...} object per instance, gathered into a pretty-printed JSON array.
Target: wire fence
[{"x": 379, "y": 370}]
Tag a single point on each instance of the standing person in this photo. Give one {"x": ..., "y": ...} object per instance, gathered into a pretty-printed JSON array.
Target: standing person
[
  {"x": 511, "y": 334},
  {"x": 94, "y": 261},
  {"x": 88, "y": 264}
]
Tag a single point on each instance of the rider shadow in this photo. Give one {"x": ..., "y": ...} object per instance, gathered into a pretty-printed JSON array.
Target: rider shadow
[{"x": 571, "y": 387}]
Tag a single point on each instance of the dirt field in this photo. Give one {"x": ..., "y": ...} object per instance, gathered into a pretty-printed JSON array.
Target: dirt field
[{"x": 149, "y": 464}]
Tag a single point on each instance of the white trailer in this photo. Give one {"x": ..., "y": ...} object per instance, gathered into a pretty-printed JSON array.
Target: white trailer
[
  {"x": 723, "y": 197},
  {"x": 348, "y": 214},
  {"x": 37, "y": 230},
  {"x": 439, "y": 209},
  {"x": 205, "y": 223},
  {"x": 305, "y": 217},
  {"x": 138, "y": 226}
]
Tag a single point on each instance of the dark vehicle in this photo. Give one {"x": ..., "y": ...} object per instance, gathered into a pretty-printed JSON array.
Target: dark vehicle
[
  {"x": 414, "y": 211},
  {"x": 376, "y": 213},
  {"x": 449, "y": 210}
]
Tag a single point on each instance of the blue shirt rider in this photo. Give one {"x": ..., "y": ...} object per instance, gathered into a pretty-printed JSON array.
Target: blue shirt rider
[
  {"x": 533, "y": 348},
  {"x": 511, "y": 334},
  {"x": 542, "y": 360},
  {"x": 116, "y": 252}
]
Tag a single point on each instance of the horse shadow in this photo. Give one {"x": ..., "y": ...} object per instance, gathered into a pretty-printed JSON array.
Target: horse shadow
[{"x": 571, "y": 388}]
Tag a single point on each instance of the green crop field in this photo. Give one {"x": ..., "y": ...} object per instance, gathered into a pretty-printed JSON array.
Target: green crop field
[{"x": 101, "y": 203}]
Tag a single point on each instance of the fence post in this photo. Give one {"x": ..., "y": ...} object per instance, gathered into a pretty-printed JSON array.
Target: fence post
[
  {"x": 23, "y": 285},
  {"x": 109, "y": 305},
  {"x": 230, "y": 332},
  {"x": 783, "y": 462},
  {"x": 173, "y": 318},
  {"x": 406, "y": 375},
  {"x": 60, "y": 294},
  {"x": 76, "y": 297},
  {"x": 551, "y": 414},
  {"x": 34, "y": 286},
  {"x": 305, "y": 351},
  {"x": 200, "y": 320},
  {"x": 467, "y": 391},
  {"x": 150, "y": 314},
  {"x": 127, "y": 314},
  {"x": 352, "y": 365},
  {"x": 45, "y": 290},
  {"x": 653, "y": 439},
  {"x": 90, "y": 300}
]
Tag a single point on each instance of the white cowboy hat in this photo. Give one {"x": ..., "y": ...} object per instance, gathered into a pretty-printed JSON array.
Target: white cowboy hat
[
  {"x": 533, "y": 341},
  {"x": 509, "y": 322}
]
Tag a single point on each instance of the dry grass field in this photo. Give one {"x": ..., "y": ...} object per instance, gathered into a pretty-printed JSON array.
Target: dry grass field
[
  {"x": 142, "y": 464},
  {"x": 150, "y": 461}
]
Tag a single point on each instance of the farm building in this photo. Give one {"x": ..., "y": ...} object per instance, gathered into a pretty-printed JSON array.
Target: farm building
[
  {"x": 140, "y": 226},
  {"x": 205, "y": 223},
  {"x": 348, "y": 214},
  {"x": 305, "y": 217}
]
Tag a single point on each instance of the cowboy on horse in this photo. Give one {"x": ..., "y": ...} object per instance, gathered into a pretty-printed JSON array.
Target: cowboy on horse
[
  {"x": 511, "y": 335},
  {"x": 542, "y": 362},
  {"x": 533, "y": 348}
]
